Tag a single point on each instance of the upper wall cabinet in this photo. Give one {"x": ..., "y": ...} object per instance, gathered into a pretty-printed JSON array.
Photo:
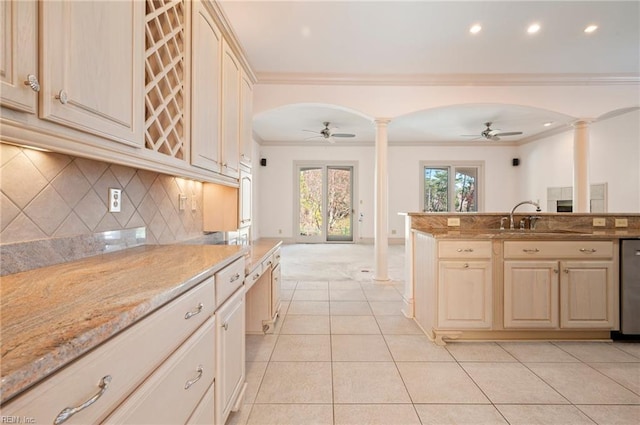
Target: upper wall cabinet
[
  {"x": 230, "y": 111},
  {"x": 206, "y": 93},
  {"x": 18, "y": 60},
  {"x": 246, "y": 117},
  {"x": 92, "y": 62}
]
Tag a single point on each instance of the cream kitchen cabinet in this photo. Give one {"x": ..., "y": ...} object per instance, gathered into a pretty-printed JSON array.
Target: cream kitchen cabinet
[
  {"x": 92, "y": 62},
  {"x": 19, "y": 77},
  {"x": 90, "y": 388},
  {"x": 563, "y": 284},
  {"x": 464, "y": 285},
  {"x": 206, "y": 90},
  {"x": 230, "y": 355},
  {"x": 263, "y": 296},
  {"x": 245, "y": 198},
  {"x": 230, "y": 112},
  {"x": 246, "y": 118}
]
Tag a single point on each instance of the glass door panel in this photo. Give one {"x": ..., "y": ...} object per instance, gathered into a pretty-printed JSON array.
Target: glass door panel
[
  {"x": 339, "y": 204},
  {"x": 310, "y": 218}
]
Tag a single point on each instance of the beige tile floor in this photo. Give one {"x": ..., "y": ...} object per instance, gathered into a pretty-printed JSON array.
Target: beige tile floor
[{"x": 343, "y": 354}]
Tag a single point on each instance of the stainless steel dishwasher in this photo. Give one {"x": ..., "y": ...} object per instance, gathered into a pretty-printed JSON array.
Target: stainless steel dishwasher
[{"x": 630, "y": 287}]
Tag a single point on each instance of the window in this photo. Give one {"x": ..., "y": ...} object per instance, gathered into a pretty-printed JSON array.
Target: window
[{"x": 451, "y": 187}]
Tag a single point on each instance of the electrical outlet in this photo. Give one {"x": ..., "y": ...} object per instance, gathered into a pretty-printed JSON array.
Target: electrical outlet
[
  {"x": 599, "y": 222},
  {"x": 393, "y": 231},
  {"x": 182, "y": 201},
  {"x": 115, "y": 199},
  {"x": 453, "y": 222},
  {"x": 622, "y": 222}
]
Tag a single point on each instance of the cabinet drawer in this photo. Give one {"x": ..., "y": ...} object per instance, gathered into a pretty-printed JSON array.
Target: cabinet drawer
[
  {"x": 253, "y": 276},
  {"x": 276, "y": 258},
  {"x": 558, "y": 249},
  {"x": 128, "y": 358},
  {"x": 464, "y": 249},
  {"x": 228, "y": 280},
  {"x": 267, "y": 262},
  {"x": 171, "y": 394},
  {"x": 205, "y": 413}
]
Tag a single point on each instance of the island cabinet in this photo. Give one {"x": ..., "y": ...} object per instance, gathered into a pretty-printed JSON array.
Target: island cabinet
[
  {"x": 560, "y": 285},
  {"x": 454, "y": 290},
  {"x": 263, "y": 295}
]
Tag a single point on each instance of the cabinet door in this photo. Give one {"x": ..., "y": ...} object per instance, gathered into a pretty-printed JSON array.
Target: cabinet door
[
  {"x": 19, "y": 51},
  {"x": 230, "y": 354},
  {"x": 230, "y": 111},
  {"x": 246, "y": 118},
  {"x": 587, "y": 295},
  {"x": 245, "y": 199},
  {"x": 92, "y": 58},
  {"x": 531, "y": 294},
  {"x": 275, "y": 290},
  {"x": 205, "y": 93},
  {"x": 464, "y": 294}
]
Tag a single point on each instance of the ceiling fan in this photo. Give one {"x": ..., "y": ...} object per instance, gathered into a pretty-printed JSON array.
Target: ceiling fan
[
  {"x": 490, "y": 134},
  {"x": 328, "y": 133}
]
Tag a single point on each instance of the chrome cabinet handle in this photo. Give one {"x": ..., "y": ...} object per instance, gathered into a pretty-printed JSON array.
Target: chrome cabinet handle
[
  {"x": 32, "y": 81},
  {"x": 190, "y": 382},
  {"x": 257, "y": 275},
  {"x": 225, "y": 325},
  {"x": 566, "y": 270},
  {"x": 465, "y": 250},
  {"x": 70, "y": 411},
  {"x": 190, "y": 314},
  {"x": 588, "y": 250},
  {"x": 234, "y": 277},
  {"x": 62, "y": 97},
  {"x": 466, "y": 265},
  {"x": 269, "y": 263},
  {"x": 555, "y": 271},
  {"x": 278, "y": 256},
  {"x": 531, "y": 251}
]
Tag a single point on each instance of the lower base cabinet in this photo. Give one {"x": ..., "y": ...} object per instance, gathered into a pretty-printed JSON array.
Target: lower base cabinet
[
  {"x": 171, "y": 394},
  {"x": 230, "y": 355}
]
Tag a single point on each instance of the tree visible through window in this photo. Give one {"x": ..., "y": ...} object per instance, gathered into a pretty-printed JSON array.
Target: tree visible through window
[{"x": 450, "y": 188}]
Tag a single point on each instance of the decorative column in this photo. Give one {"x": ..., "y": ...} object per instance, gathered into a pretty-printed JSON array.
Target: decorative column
[
  {"x": 381, "y": 202},
  {"x": 581, "y": 184}
]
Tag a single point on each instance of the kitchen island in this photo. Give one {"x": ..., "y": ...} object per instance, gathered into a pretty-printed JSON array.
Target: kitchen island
[{"x": 468, "y": 279}]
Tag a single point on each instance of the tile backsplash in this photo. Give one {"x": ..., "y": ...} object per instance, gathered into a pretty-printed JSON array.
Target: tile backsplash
[{"x": 49, "y": 195}]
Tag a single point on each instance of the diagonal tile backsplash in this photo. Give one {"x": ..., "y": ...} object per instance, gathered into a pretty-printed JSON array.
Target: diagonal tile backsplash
[{"x": 48, "y": 195}]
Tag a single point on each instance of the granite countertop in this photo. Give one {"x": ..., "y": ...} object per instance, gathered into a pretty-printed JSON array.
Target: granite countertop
[
  {"x": 607, "y": 234},
  {"x": 52, "y": 315}
]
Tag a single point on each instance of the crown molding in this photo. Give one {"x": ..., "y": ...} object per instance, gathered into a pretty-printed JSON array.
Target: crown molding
[{"x": 449, "y": 79}]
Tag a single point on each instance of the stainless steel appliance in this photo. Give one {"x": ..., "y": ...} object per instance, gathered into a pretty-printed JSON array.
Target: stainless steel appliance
[{"x": 630, "y": 287}]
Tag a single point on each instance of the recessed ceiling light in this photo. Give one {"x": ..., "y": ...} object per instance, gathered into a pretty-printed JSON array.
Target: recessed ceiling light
[
  {"x": 533, "y": 28},
  {"x": 547, "y": 124},
  {"x": 590, "y": 29},
  {"x": 475, "y": 29}
]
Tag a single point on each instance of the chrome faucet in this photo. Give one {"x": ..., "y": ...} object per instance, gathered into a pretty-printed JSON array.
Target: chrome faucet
[{"x": 511, "y": 224}]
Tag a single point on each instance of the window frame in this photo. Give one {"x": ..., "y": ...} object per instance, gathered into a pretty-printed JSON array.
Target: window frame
[{"x": 452, "y": 166}]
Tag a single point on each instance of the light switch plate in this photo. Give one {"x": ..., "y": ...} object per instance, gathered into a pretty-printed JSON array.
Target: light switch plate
[
  {"x": 115, "y": 199},
  {"x": 453, "y": 222},
  {"x": 622, "y": 222},
  {"x": 599, "y": 222}
]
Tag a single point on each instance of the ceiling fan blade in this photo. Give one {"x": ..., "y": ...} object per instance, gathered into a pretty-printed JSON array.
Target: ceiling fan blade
[
  {"x": 314, "y": 137},
  {"x": 311, "y": 131},
  {"x": 509, "y": 133},
  {"x": 342, "y": 135}
]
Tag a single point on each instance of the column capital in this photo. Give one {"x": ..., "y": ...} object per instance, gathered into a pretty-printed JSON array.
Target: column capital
[
  {"x": 583, "y": 122},
  {"x": 382, "y": 121}
]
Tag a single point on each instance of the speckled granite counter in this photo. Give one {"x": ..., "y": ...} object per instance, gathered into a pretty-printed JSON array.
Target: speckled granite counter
[
  {"x": 533, "y": 234},
  {"x": 52, "y": 315}
]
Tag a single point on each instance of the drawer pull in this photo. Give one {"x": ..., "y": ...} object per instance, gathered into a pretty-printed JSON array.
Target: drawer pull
[
  {"x": 234, "y": 277},
  {"x": 190, "y": 382},
  {"x": 566, "y": 271},
  {"x": 70, "y": 411},
  {"x": 190, "y": 314},
  {"x": 278, "y": 257},
  {"x": 32, "y": 81},
  {"x": 466, "y": 265},
  {"x": 531, "y": 251},
  {"x": 225, "y": 325},
  {"x": 255, "y": 276},
  {"x": 588, "y": 250},
  {"x": 555, "y": 271},
  {"x": 465, "y": 250},
  {"x": 269, "y": 263}
]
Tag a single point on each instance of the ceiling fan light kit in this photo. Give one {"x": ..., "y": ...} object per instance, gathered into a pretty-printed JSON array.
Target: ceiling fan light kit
[{"x": 491, "y": 134}]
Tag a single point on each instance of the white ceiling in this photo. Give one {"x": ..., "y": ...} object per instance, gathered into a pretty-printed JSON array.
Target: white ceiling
[{"x": 393, "y": 40}]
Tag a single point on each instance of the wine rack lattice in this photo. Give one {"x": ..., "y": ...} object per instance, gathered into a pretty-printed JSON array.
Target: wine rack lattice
[{"x": 164, "y": 77}]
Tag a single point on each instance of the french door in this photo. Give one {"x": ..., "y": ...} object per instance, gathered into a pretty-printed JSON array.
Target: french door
[{"x": 324, "y": 203}]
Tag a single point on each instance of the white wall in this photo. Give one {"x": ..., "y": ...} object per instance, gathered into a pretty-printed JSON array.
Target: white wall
[
  {"x": 614, "y": 152},
  {"x": 276, "y": 181}
]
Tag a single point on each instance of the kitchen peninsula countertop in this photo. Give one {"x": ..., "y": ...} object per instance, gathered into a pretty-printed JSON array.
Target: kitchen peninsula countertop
[
  {"x": 258, "y": 251},
  {"x": 52, "y": 315},
  {"x": 555, "y": 235}
]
